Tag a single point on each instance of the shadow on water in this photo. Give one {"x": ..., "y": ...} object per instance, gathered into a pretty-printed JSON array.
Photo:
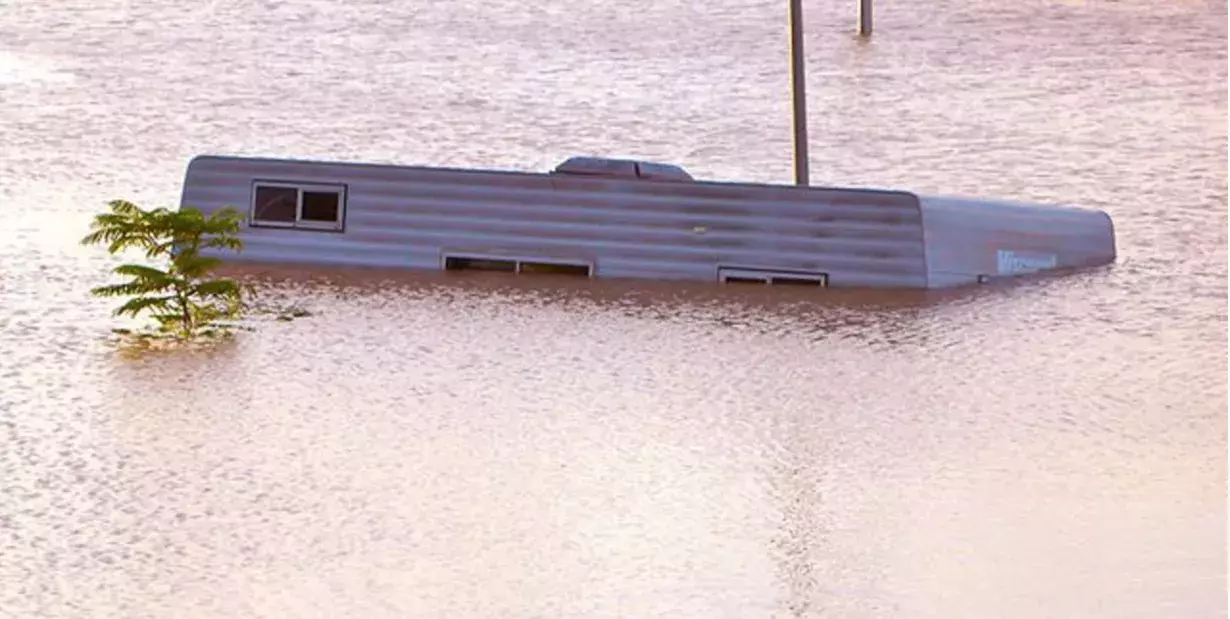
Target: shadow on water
[
  {"x": 638, "y": 296},
  {"x": 795, "y": 312}
]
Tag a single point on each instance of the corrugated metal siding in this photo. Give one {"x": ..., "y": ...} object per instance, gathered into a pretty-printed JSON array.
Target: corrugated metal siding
[{"x": 405, "y": 216}]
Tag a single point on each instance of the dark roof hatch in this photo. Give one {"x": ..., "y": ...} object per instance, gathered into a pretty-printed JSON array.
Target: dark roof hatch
[{"x": 622, "y": 168}]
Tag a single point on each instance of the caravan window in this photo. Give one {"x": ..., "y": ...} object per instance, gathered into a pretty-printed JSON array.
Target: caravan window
[
  {"x": 292, "y": 205},
  {"x": 275, "y": 204}
]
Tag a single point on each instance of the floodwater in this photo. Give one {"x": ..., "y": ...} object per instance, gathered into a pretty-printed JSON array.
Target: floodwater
[{"x": 432, "y": 446}]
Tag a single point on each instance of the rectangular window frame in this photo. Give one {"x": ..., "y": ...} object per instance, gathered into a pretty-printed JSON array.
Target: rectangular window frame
[
  {"x": 341, "y": 189},
  {"x": 771, "y": 276},
  {"x": 514, "y": 263}
]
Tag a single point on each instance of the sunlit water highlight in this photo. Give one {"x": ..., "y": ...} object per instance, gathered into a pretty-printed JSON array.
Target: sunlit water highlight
[{"x": 429, "y": 446}]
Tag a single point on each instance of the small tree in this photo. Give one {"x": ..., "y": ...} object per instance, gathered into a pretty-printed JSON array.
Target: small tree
[{"x": 183, "y": 299}]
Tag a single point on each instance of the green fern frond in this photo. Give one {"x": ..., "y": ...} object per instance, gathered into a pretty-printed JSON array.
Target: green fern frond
[
  {"x": 194, "y": 265},
  {"x": 140, "y": 304},
  {"x": 216, "y": 288},
  {"x": 225, "y": 242},
  {"x": 122, "y": 290},
  {"x": 143, "y": 272}
]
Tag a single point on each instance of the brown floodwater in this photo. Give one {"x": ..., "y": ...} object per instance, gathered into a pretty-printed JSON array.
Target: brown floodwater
[{"x": 479, "y": 446}]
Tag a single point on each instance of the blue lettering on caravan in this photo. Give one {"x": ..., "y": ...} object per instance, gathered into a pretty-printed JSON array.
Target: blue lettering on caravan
[{"x": 1011, "y": 262}]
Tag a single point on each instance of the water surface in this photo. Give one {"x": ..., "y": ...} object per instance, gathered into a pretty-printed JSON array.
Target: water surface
[{"x": 434, "y": 446}]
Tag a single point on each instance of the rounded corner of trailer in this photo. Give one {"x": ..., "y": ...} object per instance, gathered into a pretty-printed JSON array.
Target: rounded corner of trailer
[
  {"x": 196, "y": 160},
  {"x": 1112, "y": 236},
  {"x": 1110, "y": 222},
  {"x": 1107, "y": 234}
]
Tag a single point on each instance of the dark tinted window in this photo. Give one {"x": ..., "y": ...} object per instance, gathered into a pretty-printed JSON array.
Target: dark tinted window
[
  {"x": 320, "y": 206},
  {"x": 275, "y": 204}
]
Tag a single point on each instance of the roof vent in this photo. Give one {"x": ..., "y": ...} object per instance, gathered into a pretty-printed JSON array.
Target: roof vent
[{"x": 622, "y": 168}]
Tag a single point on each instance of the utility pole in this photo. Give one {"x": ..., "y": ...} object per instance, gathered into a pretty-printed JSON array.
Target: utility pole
[
  {"x": 798, "y": 89},
  {"x": 864, "y": 18}
]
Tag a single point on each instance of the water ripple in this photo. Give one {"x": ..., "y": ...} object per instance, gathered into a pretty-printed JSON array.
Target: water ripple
[{"x": 424, "y": 445}]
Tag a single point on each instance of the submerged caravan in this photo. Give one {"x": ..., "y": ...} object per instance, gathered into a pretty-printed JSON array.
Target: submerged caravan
[{"x": 620, "y": 218}]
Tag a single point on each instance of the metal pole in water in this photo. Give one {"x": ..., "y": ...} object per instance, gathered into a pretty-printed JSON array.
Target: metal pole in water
[
  {"x": 799, "y": 92},
  {"x": 864, "y": 17}
]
